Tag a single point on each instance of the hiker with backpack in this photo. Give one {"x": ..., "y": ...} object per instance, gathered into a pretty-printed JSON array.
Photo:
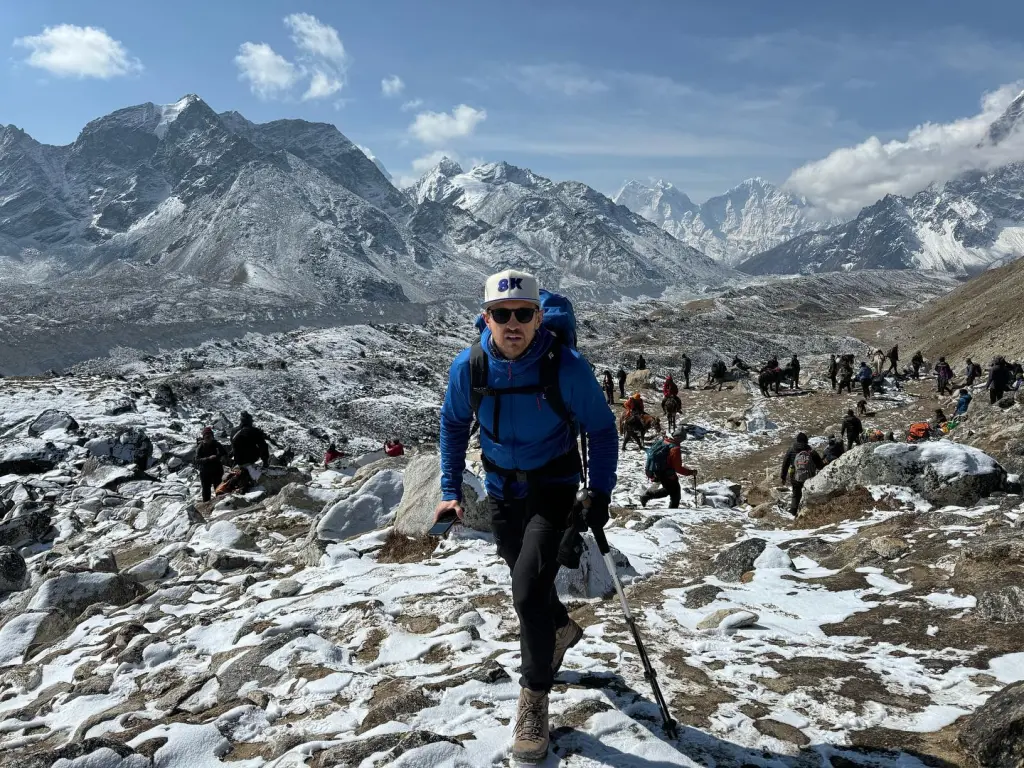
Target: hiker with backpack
[
  {"x": 963, "y": 403},
  {"x": 250, "y": 444},
  {"x": 686, "y": 371},
  {"x": 532, "y": 393},
  {"x": 865, "y": 377},
  {"x": 608, "y": 385},
  {"x": 972, "y": 373},
  {"x": 833, "y": 371},
  {"x": 664, "y": 465},
  {"x": 622, "y": 376},
  {"x": 852, "y": 429},
  {"x": 800, "y": 464}
]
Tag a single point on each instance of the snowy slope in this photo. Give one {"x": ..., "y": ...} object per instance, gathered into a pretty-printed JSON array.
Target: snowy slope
[
  {"x": 569, "y": 224},
  {"x": 752, "y": 217},
  {"x": 963, "y": 226}
]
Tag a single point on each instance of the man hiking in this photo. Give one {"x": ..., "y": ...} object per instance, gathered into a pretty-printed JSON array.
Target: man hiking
[
  {"x": 686, "y": 371},
  {"x": 917, "y": 363},
  {"x": 794, "y": 366},
  {"x": 800, "y": 464},
  {"x": 972, "y": 372},
  {"x": 833, "y": 371},
  {"x": 999, "y": 379},
  {"x": 852, "y": 429},
  {"x": 669, "y": 387},
  {"x": 210, "y": 458},
  {"x": 864, "y": 376},
  {"x": 608, "y": 385},
  {"x": 944, "y": 375},
  {"x": 664, "y": 465},
  {"x": 846, "y": 378},
  {"x": 833, "y": 450},
  {"x": 249, "y": 445},
  {"x": 622, "y": 376},
  {"x": 641, "y": 364},
  {"x": 537, "y": 390},
  {"x": 894, "y": 359}
]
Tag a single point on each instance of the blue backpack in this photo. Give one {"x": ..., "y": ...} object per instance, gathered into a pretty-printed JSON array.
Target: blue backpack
[
  {"x": 657, "y": 457},
  {"x": 560, "y": 320}
]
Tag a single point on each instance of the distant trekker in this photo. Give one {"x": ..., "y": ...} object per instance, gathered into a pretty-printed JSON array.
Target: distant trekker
[
  {"x": 894, "y": 359},
  {"x": 686, "y": 371},
  {"x": 608, "y": 385},
  {"x": 641, "y": 364},
  {"x": 944, "y": 375},
  {"x": 664, "y": 465},
  {"x": 833, "y": 371},
  {"x": 248, "y": 446},
  {"x": 917, "y": 363},
  {"x": 852, "y": 429},
  {"x": 999, "y": 378},
  {"x": 794, "y": 366},
  {"x": 864, "y": 376},
  {"x": 210, "y": 458},
  {"x": 800, "y": 464},
  {"x": 622, "y": 382}
]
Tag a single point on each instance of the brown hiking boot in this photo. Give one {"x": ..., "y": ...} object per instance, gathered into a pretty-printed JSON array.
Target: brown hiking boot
[
  {"x": 565, "y": 638},
  {"x": 530, "y": 738}
]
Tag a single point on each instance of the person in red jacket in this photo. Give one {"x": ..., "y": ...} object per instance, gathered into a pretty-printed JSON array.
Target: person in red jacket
[
  {"x": 666, "y": 471},
  {"x": 394, "y": 448},
  {"x": 332, "y": 454},
  {"x": 669, "y": 387}
]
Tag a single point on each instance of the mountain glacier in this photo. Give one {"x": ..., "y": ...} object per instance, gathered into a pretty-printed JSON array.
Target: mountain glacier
[{"x": 748, "y": 219}]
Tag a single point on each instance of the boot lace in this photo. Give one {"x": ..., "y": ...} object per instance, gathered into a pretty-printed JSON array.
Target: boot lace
[{"x": 529, "y": 725}]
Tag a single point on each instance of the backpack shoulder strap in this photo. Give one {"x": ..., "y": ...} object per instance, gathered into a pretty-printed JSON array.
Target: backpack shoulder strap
[
  {"x": 478, "y": 369},
  {"x": 549, "y": 382}
]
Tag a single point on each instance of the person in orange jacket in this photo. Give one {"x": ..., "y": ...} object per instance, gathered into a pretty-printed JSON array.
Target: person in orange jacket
[
  {"x": 664, "y": 465},
  {"x": 634, "y": 405},
  {"x": 669, "y": 387}
]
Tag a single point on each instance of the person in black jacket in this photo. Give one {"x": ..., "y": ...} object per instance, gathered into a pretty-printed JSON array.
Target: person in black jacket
[
  {"x": 641, "y": 364},
  {"x": 622, "y": 382},
  {"x": 790, "y": 469},
  {"x": 609, "y": 387},
  {"x": 894, "y": 359},
  {"x": 794, "y": 364},
  {"x": 917, "y": 363},
  {"x": 999, "y": 377},
  {"x": 249, "y": 445},
  {"x": 210, "y": 456},
  {"x": 686, "y": 371},
  {"x": 833, "y": 371},
  {"x": 852, "y": 429},
  {"x": 834, "y": 450}
]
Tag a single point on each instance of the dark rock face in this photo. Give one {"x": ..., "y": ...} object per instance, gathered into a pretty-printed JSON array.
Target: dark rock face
[
  {"x": 13, "y": 572},
  {"x": 27, "y": 528},
  {"x": 738, "y": 559},
  {"x": 706, "y": 594},
  {"x": 1005, "y": 605},
  {"x": 994, "y": 734}
]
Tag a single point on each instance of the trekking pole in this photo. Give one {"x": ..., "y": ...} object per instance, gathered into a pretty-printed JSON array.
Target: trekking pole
[{"x": 649, "y": 674}]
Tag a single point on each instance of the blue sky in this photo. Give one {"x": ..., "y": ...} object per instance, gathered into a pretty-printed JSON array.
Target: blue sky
[{"x": 703, "y": 94}]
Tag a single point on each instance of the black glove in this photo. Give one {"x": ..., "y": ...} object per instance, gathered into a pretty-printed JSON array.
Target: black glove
[{"x": 597, "y": 512}]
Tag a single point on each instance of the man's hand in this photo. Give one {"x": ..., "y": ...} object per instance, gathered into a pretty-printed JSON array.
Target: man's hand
[
  {"x": 449, "y": 506},
  {"x": 597, "y": 512}
]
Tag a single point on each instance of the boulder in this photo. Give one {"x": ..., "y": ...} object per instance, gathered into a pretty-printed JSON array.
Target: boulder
[
  {"x": 773, "y": 558},
  {"x": 119, "y": 407},
  {"x": 222, "y": 534},
  {"x": 164, "y": 395},
  {"x": 275, "y": 479},
  {"x": 638, "y": 380},
  {"x": 702, "y": 595},
  {"x": 285, "y": 588},
  {"x": 129, "y": 446},
  {"x": 30, "y": 629},
  {"x": 422, "y": 493},
  {"x": 29, "y": 527},
  {"x": 367, "y": 471},
  {"x": 1004, "y": 605},
  {"x": 299, "y": 498},
  {"x": 731, "y": 564},
  {"x": 105, "y": 472},
  {"x": 52, "y": 419},
  {"x": 233, "y": 559},
  {"x": 102, "y": 561},
  {"x": 994, "y": 734},
  {"x": 26, "y": 456},
  {"x": 728, "y": 618},
  {"x": 757, "y": 421},
  {"x": 371, "y": 507},
  {"x": 722, "y": 494},
  {"x": 592, "y": 579},
  {"x": 944, "y": 473},
  {"x": 72, "y": 593},
  {"x": 150, "y": 569},
  {"x": 13, "y": 571},
  {"x": 395, "y": 708}
]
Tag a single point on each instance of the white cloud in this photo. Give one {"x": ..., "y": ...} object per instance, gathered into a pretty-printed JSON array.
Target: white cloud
[
  {"x": 412, "y": 104},
  {"x": 315, "y": 38},
  {"x": 392, "y": 86},
  {"x": 852, "y": 177},
  {"x": 322, "y": 58},
  {"x": 69, "y": 51},
  {"x": 321, "y": 86},
  {"x": 268, "y": 73},
  {"x": 439, "y": 127}
]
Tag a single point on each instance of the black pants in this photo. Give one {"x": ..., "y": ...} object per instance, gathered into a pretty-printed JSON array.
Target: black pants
[
  {"x": 798, "y": 494},
  {"x": 610, "y": 395},
  {"x": 917, "y": 371},
  {"x": 210, "y": 479},
  {"x": 686, "y": 377},
  {"x": 995, "y": 395},
  {"x": 832, "y": 378},
  {"x": 528, "y": 532},
  {"x": 796, "y": 378},
  {"x": 669, "y": 487},
  {"x": 622, "y": 389},
  {"x": 846, "y": 384},
  {"x": 866, "y": 388},
  {"x": 852, "y": 440},
  {"x": 944, "y": 385}
]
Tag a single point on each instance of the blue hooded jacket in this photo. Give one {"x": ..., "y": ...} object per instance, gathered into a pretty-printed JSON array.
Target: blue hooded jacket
[{"x": 532, "y": 434}]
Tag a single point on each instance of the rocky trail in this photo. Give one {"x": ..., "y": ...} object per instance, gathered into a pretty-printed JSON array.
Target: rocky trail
[{"x": 310, "y": 623}]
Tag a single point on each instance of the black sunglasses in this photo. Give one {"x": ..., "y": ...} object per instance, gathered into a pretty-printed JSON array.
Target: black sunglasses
[{"x": 502, "y": 315}]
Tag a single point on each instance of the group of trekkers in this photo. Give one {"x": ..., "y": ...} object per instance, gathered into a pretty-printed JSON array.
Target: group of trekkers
[{"x": 608, "y": 380}]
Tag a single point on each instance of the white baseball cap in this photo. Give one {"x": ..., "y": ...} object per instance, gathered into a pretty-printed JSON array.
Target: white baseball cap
[{"x": 511, "y": 285}]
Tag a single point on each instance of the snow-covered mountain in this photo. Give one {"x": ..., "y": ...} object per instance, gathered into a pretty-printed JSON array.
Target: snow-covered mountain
[
  {"x": 748, "y": 219},
  {"x": 176, "y": 214},
  {"x": 568, "y": 224},
  {"x": 965, "y": 225}
]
